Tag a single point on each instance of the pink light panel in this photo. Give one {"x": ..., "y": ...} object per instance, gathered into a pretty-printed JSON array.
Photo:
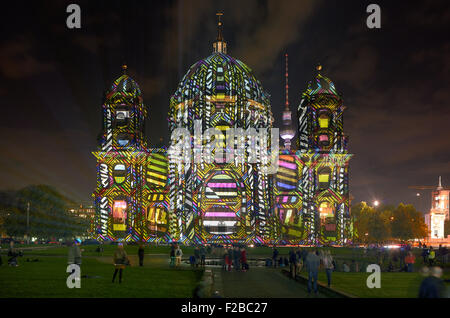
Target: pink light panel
[
  {"x": 220, "y": 214},
  {"x": 221, "y": 185},
  {"x": 288, "y": 165}
]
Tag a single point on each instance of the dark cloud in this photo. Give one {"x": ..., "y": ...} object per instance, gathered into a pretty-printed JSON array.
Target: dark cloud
[
  {"x": 17, "y": 60},
  {"x": 394, "y": 80}
]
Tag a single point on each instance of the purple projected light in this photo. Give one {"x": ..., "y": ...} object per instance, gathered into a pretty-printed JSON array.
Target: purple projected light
[
  {"x": 220, "y": 214},
  {"x": 288, "y": 165},
  {"x": 222, "y": 185}
]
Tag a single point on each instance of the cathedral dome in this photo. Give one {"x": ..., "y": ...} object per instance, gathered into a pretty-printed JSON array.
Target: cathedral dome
[
  {"x": 220, "y": 90},
  {"x": 220, "y": 73}
]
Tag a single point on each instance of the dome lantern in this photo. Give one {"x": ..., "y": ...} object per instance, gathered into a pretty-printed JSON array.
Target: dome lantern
[{"x": 220, "y": 46}]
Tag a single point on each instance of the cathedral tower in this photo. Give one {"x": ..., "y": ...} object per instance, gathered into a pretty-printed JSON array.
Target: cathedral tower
[
  {"x": 323, "y": 149},
  {"x": 120, "y": 162}
]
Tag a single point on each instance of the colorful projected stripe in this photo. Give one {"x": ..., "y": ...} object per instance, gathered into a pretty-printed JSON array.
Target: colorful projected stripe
[
  {"x": 288, "y": 165},
  {"x": 157, "y": 170},
  {"x": 220, "y": 214},
  {"x": 222, "y": 185},
  {"x": 286, "y": 186}
]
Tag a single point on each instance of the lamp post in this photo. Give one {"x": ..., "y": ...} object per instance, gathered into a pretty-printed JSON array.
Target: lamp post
[
  {"x": 376, "y": 203},
  {"x": 28, "y": 223}
]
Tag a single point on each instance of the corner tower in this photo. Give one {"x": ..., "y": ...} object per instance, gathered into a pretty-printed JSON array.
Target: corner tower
[
  {"x": 323, "y": 149},
  {"x": 121, "y": 156}
]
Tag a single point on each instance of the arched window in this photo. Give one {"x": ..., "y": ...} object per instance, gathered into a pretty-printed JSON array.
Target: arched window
[
  {"x": 124, "y": 140},
  {"x": 122, "y": 116},
  {"x": 326, "y": 210},
  {"x": 119, "y": 215},
  {"x": 323, "y": 140},
  {"x": 120, "y": 173}
]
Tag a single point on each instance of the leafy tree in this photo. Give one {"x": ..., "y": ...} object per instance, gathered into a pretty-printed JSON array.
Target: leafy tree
[
  {"x": 48, "y": 213},
  {"x": 371, "y": 225},
  {"x": 408, "y": 223},
  {"x": 379, "y": 228},
  {"x": 378, "y": 225},
  {"x": 360, "y": 221}
]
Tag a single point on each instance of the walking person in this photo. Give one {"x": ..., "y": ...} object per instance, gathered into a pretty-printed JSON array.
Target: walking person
[
  {"x": 197, "y": 256},
  {"x": 433, "y": 286},
  {"x": 202, "y": 256},
  {"x": 74, "y": 254},
  {"x": 228, "y": 259},
  {"x": 120, "y": 261},
  {"x": 410, "y": 259},
  {"x": 178, "y": 255},
  {"x": 172, "y": 256},
  {"x": 292, "y": 262},
  {"x": 312, "y": 266},
  {"x": 141, "y": 254},
  {"x": 236, "y": 256},
  {"x": 224, "y": 258},
  {"x": 299, "y": 261},
  {"x": 431, "y": 256},
  {"x": 274, "y": 256},
  {"x": 244, "y": 260},
  {"x": 328, "y": 265},
  {"x": 424, "y": 254},
  {"x": 304, "y": 255}
]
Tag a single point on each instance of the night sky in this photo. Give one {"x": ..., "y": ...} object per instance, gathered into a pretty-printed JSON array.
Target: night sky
[{"x": 394, "y": 80}]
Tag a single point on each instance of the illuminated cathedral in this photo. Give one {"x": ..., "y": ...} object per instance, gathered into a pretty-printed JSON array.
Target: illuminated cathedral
[{"x": 149, "y": 195}]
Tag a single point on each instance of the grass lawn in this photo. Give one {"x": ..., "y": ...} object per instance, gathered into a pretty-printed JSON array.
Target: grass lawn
[
  {"x": 47, "y": 278},
  {"x": 393, "y": 285}
]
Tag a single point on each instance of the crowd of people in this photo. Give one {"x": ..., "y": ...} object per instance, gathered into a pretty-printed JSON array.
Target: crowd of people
[
  {"x": 311, "y": 261},
  {"x": 298, "y": 259},
  {"x": 234, "y": 257}
]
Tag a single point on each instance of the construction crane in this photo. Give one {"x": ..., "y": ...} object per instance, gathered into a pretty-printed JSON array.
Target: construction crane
[{"x": 439, "y": 187}]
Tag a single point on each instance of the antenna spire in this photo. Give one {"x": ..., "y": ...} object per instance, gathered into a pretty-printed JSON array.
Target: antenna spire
[
  {"x": 440, "y": 184},
  {"x": 219, "y": 26},
  {"x": 287, "y": 83}
]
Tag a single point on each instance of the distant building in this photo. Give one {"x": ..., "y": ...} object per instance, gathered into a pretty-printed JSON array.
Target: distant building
[
  {"x": 439, "y": 212},
  {"x": 83, "y": 211}
]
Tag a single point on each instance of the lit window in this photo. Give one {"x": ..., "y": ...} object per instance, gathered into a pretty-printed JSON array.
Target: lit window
[
  {"x": 324, "y": 121},
  {"x": 119, "y": 173},
  {"x": 123, "y": 140},
  {"x": 122, "y": 117},
  {"x": 119, "y": 215},
  {"x": 325, "y": 210},
  {"x": 324, "y": 140},
  {"x": 324, "y": 177},
  {"x": 324, "y": 174}
]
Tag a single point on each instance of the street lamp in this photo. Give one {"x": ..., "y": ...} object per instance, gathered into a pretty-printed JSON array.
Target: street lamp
[
  {"x": 376, "y": 203},
  {"x": 28, "y": 222}
]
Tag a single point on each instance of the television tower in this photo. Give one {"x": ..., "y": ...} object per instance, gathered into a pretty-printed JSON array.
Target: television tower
[{"x": 287, "y": 133}]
